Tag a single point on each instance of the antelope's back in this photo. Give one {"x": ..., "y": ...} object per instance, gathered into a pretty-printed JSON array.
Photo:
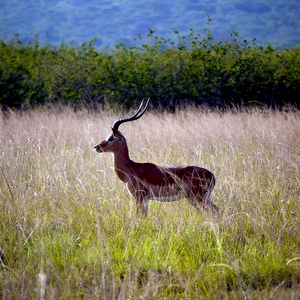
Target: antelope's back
[{"x": 192, "y": 172}]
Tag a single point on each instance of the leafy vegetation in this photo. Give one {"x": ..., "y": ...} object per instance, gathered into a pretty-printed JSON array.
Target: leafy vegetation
[
  {"x": 196, "y": 70},
  {"x": 69, "y": 229}
]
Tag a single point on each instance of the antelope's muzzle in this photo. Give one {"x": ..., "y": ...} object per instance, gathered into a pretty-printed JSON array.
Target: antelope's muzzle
[{"x": 98, "y": 149}]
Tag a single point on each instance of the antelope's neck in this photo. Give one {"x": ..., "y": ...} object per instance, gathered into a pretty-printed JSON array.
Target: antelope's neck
[{"x": 123, "y": 164}]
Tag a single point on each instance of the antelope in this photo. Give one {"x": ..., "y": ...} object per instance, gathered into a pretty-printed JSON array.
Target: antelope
[{"x": 147, "y": 181}]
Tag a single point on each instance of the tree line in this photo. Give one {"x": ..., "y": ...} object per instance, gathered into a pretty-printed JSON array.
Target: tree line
[{"x": 194, "y": 70}]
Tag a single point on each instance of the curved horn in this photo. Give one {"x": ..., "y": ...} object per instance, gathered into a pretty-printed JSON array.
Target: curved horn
[{"x": 134, "y": 117}]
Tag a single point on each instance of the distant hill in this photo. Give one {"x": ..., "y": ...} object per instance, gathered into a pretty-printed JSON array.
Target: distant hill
[{"x": 120, "y": 21}]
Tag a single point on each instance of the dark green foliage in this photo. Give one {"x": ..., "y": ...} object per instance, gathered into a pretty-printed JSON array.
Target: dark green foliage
[
  {"x": 21, "y": 82},
  {"x": 194, "y": 71}
]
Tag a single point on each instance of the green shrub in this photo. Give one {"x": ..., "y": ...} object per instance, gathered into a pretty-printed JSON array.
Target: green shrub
[{"x": 196, "y": 70}]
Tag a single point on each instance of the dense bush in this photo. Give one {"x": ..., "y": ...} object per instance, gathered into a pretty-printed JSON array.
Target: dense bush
[{"x": 196, "y": 70}]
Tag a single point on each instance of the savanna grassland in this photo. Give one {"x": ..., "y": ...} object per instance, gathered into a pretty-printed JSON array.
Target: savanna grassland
[{"x": 69, "y": 229}]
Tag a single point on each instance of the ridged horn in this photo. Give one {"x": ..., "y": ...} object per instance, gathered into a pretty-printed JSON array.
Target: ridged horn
[{"x": 134, "y": 117}]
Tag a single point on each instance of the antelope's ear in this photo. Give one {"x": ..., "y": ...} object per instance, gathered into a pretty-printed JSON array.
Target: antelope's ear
[{"x": 116, "y": 134}]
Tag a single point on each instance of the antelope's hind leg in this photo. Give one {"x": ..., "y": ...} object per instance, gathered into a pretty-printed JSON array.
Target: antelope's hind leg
[
  {"x": 199, "y": 196},
  {"x": 204, "y": 202},
  {"x": 208, "y": 203},
  {"x": 206, "y": 197}
]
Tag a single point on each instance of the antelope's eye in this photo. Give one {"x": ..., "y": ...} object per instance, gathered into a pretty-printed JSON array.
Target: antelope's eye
[{"x": 111, "y": 138}]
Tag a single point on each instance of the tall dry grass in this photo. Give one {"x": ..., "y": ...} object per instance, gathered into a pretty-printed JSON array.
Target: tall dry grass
[{"x": 68, "y": 226}]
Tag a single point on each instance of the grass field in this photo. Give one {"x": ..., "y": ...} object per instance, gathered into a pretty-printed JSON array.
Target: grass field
[{"x": 69, "y": 230}]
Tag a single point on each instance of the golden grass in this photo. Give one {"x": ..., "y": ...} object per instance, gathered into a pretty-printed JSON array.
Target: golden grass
[{"x": 68, "y": 226}]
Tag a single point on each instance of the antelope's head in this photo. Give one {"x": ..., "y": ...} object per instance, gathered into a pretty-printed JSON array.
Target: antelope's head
[{"x": 116, "y": 140}]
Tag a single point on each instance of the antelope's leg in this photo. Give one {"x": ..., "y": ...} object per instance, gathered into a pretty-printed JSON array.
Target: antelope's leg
[
  {"x": 141, "y": 205},
  {"x": 209, "y": 204},
  {"x": 201, "y": 203},
  {"x": 199, "y": 194},
  {"x": 195, "y": 202},
  {"x": 206, "y": 198}
]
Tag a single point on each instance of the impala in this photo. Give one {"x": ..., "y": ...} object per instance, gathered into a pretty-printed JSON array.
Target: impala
[{"x": 147, "y": 181}]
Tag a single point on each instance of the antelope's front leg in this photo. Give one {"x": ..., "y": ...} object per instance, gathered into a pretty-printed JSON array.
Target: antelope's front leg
[
  {"x": 139, "y": 196},
  {"x": 142, "y": 205}
]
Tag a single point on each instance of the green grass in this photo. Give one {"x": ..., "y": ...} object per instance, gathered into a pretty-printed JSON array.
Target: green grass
[{"x": 69, "y": 230}]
